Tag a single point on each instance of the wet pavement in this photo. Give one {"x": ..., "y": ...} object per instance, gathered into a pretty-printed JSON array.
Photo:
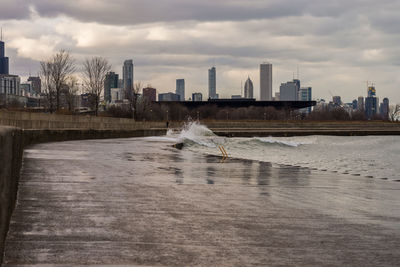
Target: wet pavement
[{"x": 141, "y": 202}]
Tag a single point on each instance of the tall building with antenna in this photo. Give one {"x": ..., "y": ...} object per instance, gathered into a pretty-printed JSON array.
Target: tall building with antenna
[{"x": 4, "y": 64}]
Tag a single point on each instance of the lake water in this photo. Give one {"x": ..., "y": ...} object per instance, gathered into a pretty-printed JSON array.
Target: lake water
[{"x": 369, "y": 156}]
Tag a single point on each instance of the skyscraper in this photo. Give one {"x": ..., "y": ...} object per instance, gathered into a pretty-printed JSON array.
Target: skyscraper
[
  {"x": 127, "y": 75},
  {"x": 371, "y": 91},
  {"x": 180, "y": 89},
  {"x": 212, "y": 83},
  {"x": 289, "y": 91},
  {"x": 384, "y": 109},
  {"x": 248, "y": 88},
  {"x": 337, "y": 100},
  {"x": 360, "y": 103},
  {"x": 371, "y": 107},
  {"x": 110, "y": 82},
  {"x": 371, "y": 103},
  {"x": 197, "y": 97},
  {"x": 305, "y": 94},
  {"x": 4, "y": 67},
  {"x": 266, "y": 82},
  {"x": 36, "y": 84},
  {"x": 150, "y": 93}
]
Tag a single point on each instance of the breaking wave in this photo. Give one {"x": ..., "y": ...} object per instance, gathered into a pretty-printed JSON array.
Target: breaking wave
[
  {"x": 274, "y": 141},
  {"x": 193, "y": 133}
]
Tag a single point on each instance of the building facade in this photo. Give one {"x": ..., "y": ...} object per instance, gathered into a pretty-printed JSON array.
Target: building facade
[
  {"x": 150, "y": 94},
  {"x": 266, "y": 82},
  {"x": 111, "y": 81},
  {"x": 212, "y": 83},
  {"x": 117, "y": 95},
  {"x": 4, "y": 64},
  {"x": 371, "y": 107},
  {"x": 305, "y": 94},
  {"x": 197, "y": 97},
  {"x": 10, "y": 90},
  {"x": 384, "y": 109},
  {"x": 371, "y": 91},
  {"x": 127, "y": 75},
  {"x": 337, "y": 100},
  {"x": 36, "y": 84},
  {"x": 180, "y": 89},
  {"x": 248, "y": 88},
  {"x": 354, "y": 104},
  {"x": 360, "y": 103},
  {"x": 289, "y": 91},
  {"x": 168, "y": 97}
]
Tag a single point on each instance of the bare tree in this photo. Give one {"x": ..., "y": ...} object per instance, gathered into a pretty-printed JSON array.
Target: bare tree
[
  {"x": 71, "y": 90},
  {"x": 62, "y": 66},
  {"x": 48, "y": 87},
  {"x": 394, "y": 112},
  {"x": 94, "y": 74},
  {"x": 54, "y": 73},
  {"x": 132, "y": 96}
]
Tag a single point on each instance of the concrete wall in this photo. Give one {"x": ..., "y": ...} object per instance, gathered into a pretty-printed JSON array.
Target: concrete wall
[
  {"x": 222, "y": 124},
  {"x": 27, "y": 120},
  {"x": 11, "y": 147}
]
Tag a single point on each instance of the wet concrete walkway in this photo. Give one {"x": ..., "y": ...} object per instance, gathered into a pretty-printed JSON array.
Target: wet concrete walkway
[{"x": 140, "y": 202}]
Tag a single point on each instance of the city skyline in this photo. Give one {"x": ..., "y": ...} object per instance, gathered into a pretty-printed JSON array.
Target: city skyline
[{"x": 337, "y": 46}]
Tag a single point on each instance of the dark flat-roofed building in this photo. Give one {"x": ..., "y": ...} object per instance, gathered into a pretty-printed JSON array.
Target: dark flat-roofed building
[
  {"x": 242, "y": 102},
  {"x": 169, "y": 97}
]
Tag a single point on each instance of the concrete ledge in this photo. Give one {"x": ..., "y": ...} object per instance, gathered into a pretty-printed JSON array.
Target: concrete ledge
[
  {"x": 42, "y": 136},
  {"x": 11, "y": 147},
  {"x": 302, "y": 132}
]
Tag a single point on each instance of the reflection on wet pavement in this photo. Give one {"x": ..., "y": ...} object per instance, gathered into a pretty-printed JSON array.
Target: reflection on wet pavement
[{"x": 140, "y": 201}]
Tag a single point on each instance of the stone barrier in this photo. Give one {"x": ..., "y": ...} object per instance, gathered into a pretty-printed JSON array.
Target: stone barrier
[
  {"x": 27, "y": 120},
  {"x": 11, "y": 147}
]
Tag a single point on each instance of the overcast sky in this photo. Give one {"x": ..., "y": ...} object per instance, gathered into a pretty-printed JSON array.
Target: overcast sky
[{"x": 337, "y": 45}]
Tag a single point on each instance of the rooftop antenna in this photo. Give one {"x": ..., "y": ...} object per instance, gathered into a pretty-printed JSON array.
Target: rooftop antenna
[
  {"x": 1, "y": 37},
  {"x": 298, "y": 75},
  {"x": 241, "y": 88}
]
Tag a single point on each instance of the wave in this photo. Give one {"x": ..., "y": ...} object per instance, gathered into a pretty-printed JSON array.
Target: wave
[
  {"x": 161, "y": 138},
  {"x": 193, "y": 133},
  {"x": 274, "y": 141}
]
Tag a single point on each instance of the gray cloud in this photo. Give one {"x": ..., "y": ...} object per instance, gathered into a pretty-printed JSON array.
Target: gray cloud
[
  {"x": 13, "y": 9},
  {"x": 337, "y": 44},
  {"x": 130, "y": 12}
]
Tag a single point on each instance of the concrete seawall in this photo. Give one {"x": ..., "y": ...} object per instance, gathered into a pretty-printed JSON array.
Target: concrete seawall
[
  {"x": 11, "y": 147},
  {"x": 26, "y": 120}
]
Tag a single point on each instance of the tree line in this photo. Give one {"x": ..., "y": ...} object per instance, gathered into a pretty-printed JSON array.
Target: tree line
[{"x": 58, "y": 78}]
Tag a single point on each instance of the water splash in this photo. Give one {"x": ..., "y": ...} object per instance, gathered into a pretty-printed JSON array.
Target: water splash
[{"x": 195, "y": 133}]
